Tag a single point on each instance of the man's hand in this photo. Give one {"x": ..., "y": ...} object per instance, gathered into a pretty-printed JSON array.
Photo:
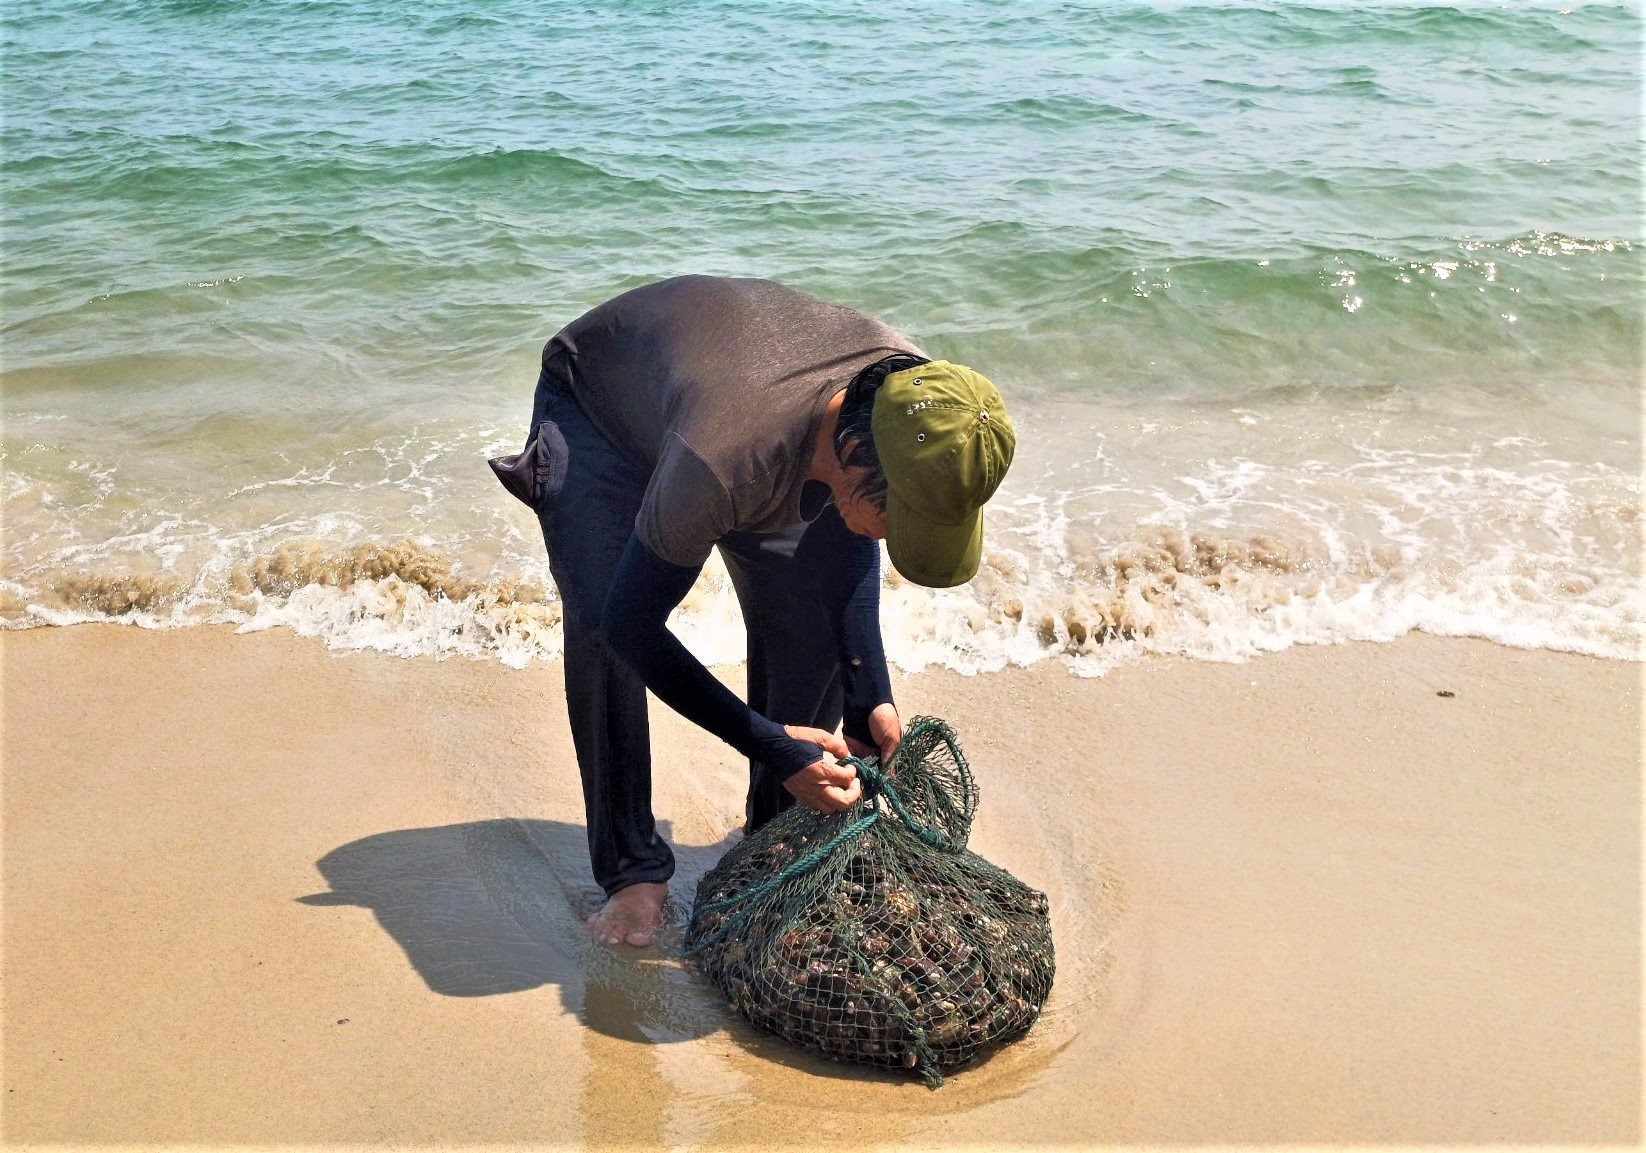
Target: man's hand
[
  {"x": 820, "y": 786},
  {"x": 886, "y": 727}
]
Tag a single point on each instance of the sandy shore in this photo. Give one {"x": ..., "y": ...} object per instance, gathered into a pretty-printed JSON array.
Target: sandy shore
[{"x": 261, "y": 893}]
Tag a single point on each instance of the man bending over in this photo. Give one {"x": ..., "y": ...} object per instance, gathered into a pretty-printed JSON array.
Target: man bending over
[{"x": 791, "y": 434}]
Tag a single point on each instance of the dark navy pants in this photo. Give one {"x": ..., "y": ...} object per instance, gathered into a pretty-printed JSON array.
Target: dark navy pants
[{"x": 793, "y": 663}]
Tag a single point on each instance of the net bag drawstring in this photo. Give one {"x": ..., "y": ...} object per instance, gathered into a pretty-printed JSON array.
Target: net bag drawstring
[{"x": 876, "y": 785}]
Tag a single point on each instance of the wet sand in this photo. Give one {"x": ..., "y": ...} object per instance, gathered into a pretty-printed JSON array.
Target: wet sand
[{"x": 261, "y": 893}]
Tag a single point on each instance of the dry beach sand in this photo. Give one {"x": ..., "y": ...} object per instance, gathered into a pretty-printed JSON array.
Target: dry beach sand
[{"x": 260, "y": 893}]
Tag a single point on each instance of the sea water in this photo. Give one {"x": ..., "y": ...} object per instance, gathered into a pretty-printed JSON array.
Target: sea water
[{"x": 1317, "y": 322}]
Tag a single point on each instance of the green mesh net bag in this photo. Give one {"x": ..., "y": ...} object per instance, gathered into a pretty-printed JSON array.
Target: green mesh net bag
[{"x": 873, "y": 935}]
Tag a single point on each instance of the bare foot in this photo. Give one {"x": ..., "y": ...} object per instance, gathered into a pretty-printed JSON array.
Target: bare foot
[{"x": 631, "y": 917}]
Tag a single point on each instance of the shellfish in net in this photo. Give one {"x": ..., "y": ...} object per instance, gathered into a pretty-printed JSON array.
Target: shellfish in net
[{"x": 874, "y": 935}]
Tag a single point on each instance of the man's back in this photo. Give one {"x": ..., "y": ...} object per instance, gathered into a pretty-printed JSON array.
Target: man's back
[
  {"x": 663, "y": 356},
  {"x": 719, "y": 384}
]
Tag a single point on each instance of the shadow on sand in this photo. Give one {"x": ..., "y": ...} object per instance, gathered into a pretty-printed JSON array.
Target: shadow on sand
[
  {"x": 497, "y": 906},
  {"x": 493, "y": 907}
]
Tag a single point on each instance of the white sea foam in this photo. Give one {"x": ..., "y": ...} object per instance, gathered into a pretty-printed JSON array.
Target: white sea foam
[
  {"x": 1204, "y": 596},
  {"x": 1218, "y": 534}
]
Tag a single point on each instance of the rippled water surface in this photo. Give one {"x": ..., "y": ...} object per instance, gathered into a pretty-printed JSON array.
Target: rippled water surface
[{"x": 1318, "y": 323}]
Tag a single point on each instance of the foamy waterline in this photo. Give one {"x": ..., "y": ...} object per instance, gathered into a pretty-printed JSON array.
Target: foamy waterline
[
  {"x": 1213, "y": 532},
  {"x": 1198, "y": 595}
]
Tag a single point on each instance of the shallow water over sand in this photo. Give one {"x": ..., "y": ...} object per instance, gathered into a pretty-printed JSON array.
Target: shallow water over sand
[{"x": 1319, "y": 323}]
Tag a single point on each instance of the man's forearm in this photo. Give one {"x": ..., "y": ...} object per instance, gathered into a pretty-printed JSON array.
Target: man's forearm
[{"x": 644, "y": 590}]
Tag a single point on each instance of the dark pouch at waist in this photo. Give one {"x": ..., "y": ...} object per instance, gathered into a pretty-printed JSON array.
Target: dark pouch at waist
[{"x": 537, "y": 474}]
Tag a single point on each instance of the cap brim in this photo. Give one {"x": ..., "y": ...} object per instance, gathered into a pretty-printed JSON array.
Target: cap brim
[{"x": 936, "y": 555}]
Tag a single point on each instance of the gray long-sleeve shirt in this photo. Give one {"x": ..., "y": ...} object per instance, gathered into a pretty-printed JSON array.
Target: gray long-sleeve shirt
[{"x": 716, "y": 386}]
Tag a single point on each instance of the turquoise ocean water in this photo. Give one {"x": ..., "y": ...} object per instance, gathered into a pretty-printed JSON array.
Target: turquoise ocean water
[{"x": 1320, "y": 322}]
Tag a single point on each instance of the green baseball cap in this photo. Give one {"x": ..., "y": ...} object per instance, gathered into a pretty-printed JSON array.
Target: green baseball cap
[{"x": 944, "y": 442}]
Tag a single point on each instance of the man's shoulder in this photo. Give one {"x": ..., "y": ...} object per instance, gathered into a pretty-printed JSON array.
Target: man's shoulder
[{"x": 687, "y": 506}]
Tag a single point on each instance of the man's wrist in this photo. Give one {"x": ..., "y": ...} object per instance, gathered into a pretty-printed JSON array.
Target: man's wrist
[
  {"x": 855, "y": 721},
  {"x": 780, "y": 753}
]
